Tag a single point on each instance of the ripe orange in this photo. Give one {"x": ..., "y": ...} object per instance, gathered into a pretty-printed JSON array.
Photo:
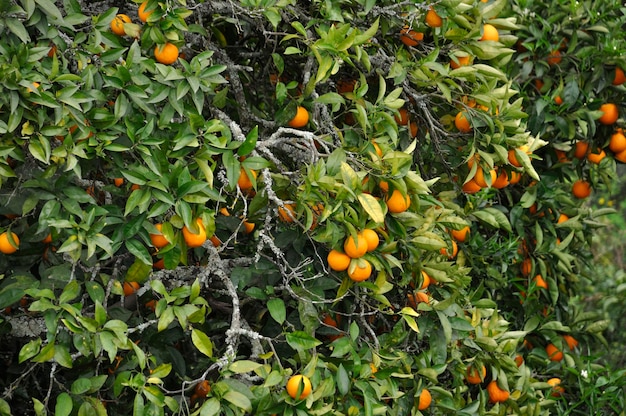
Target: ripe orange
[
  {"x": 611, "y": 113},
  {"x": 471, "y": 187},
  {"x": 554, "y": 58},
  {"x": 433, "y": 19},
  {"x": 377, "y": 149},
  {"x": 372, "y": 239},
  {"x": 571, "y": 342},
  {"x": 166, "y": 54},
  {"x": 562, "y": 219},
  {"x": 384, "y": 186},
  {"x": 558, "y": 100},
  {"x": 355, "y": 248},
  {"x": 513, "y": 156},
  {"x": 581, "y": 149},
  {"x": 480, "y": 177},
  {"x": 202, "y": 388},
  {"x": 496, "y": 394},
  {"x": 501, "y": 181},
  {"x": 245, "y": 182},
  {"x": 192, "y": 239},
  {"x": 425, "y": 400},
  {"x": 490, "y": 33},
  {"x": 300, "y": 119},
  {"x": 425, "y": 280},
  {"x": 519, "y": 360},
  {"x": 130, "y": 288},
  {"x": 160, "y": 265},
  {"x": 338, "y": 261},
  {"x": 462, "y": 123},
  {"x": 118, "y": 182},
  {"x": 117, "y": 24},
  {"x": 47, "y": 239},
  {"x": 472, "y": 375},
  {"x": 514, "y": 177},
  {"x": 397, "y": 203},
  {"x": 619, "y": 77},
  {"x": 526, "y": 267},
  {"x": 410, "y": 37},
  {"x": 5, "y": 245},
  {"x": 287, "y": 213},
  {"x": 248, "y": 226},
  {"x": 618, "y": 142},
  {"x": 460, "y": 61},
  {"x": 554, "y": 354},
  {"x": 360, "y": 270},
  {"x": 299, "y": 382},
  {"x": 540, "y": 282},
  {"x": 461, "y": 235},
  {"x": 143, "y": 14},
  {"x": 581, "y": 189},
  {"x": 455, "y": 250},
  {"x": 417, "y": 297},
  {"x": 158, "y": 240},
  {"x": 402, "y": 118},
  {"x": 597, "y": 156},
  {"x": 557, "y": 390},
  {"x": 413, "y": 128}
]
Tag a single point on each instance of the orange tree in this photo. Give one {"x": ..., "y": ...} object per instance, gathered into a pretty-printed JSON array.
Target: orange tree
[{"x": 216, "y": 197}]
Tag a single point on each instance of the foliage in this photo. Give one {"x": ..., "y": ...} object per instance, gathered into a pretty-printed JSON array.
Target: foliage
[{"x": 100, "y": 143}]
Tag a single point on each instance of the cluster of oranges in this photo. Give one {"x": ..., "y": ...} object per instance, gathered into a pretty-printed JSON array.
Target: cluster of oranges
[
  {"x": 166, "y": 53},
  {"x": 351, "y": 258}
]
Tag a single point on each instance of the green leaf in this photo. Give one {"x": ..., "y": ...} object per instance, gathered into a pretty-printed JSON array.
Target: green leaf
[
  {"x": 211, "y": 407},
  {"x": 29, "y": 350},
  {"x": 40, "y": 409},
  {"x": 372, "y": 207},
  {"x": 202, "y": 342},
  {"x": 342, "y": 380},
  {"x": 300, "y": 340},
  {"x": 139, "y": 251},
  {"x": 239, "y": 400},
  {"x": 80, "y": 386},
  {"x": 138, "y": 271},
  {"x": 244, "y": 366},
  {"x": 70, "y": 292},
  {"x": 277, "y": 310},
  {"x": 250, "y": 143}
]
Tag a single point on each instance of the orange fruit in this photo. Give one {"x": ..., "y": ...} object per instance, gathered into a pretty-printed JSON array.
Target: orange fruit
[
  {"x": 118, "y": 182},
  {"x": 540, "y": 282},
  {"x": 597, "y": 156},
  {"x": 159, "y": 264},
  {"x": 581, "y": 189},
  {"x": 558, "y": 100},
  {"x": 158, "y": 240},
  {"x": 130, "y": 288},
  {"x": 377, "y": 149},
  {"x": 384, "y": 186},
  {"x": 287, "y": 213},
  {"x": 461, "y": 235},
  {"x": 619, "y": 77},
  {"x": 462, "y": 123},
  {"x": 513, "y": 156},
  {"x": 245, "y": 182},
  {"x": 539, "y": 84},
  {"x": 410, "y": 37},
  {"x": 359, "y": 271},
  {"x": 166, "y": 54},
  {"x": 299, "y": 383},
  {"x": 480, "y": 177},
  {"x": 202, "y": 388},
  {"x": 554, "y": 58},
  {"x": 397, "y": 203},
  {"x": 215, "y": 241},
  {"x": 425, "y": 400},
  {"x": 142, "y": 13},
  {"x": 618, "y": 142},
  {"x": 338, "y": 261},
  {"x": 372, "y": 239},
  {"x": 502, "y": 180},
  {"x": 526, "y": 267},
  {"x": 413, "y": 128},
  {"x": 610, "y": 113},
  {"x": 355, "y": 248},
  {"x": 571, "y": 342},
  {"x": 117, "y": 24},
  {"x": 581, "y": 149},
  {"x": 514, "y": 177},
  {"x": 47, "y": 239},
  {"x": 621, "y": 156},
  {"x": 5, "y": 245},
  {"x": 490, "y": 33},
  {"x": 519, "y": 360},
  {"x": 460, "y": 61},
  {"x": 192, "y": 239},
  {"x": 433, "y": 19},
  {"x": 557, "y": 390},
  {"x": 417, "y": 297},
  {"x": 248, "y": 227},
  {"x": 562, "y": 219},
  {"x": 402, "y": 118},
  {"x": 455, "y": 250},
  {"x": 471, "y": 187},
  {"x": 496, "y": 394},
  {"x": 472, "y": 375},
  {"x": 425, "y": 280},
  {"x": 554, "y": 354},
  {"x": 300, "y": 119}
]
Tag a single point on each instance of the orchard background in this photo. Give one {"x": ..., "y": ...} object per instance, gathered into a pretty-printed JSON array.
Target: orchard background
[{"x": 414, "y": 206}]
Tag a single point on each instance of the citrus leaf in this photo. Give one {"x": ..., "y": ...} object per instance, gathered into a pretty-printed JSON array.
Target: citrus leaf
[
  {"x": 372, "y": 207},
  {"x": 202, "y": 342},
  {"x": 277, "y": 310},
  {"x": 300, "y": 340}
]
